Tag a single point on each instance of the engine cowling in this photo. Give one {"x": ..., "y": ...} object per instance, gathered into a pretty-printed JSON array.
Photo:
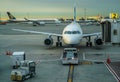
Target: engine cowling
[
  {"x": 48, "y": 41},
  {"x": 98, "y": 41}
]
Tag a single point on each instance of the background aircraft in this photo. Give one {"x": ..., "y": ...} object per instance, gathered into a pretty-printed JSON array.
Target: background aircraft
[
  {"x": 72, "y": 35},
  {"x": 35, "y": 22}
]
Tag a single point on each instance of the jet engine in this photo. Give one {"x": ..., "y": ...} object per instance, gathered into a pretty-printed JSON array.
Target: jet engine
[
  {"x": 48, "y": 41},
  {"x": 98, "y": 41}
]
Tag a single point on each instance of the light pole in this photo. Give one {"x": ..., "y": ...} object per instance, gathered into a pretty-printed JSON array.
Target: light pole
[
  {"x": 27, "y": 14},
  {"x": 85, "y": 13},
  {"x": 0, "y": 16}
]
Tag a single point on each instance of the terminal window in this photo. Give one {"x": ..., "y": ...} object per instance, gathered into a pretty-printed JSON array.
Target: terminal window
[{"x": 115, "y": 32}]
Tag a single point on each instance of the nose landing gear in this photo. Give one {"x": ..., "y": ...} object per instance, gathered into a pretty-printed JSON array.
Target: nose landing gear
[
  {"x": 89, "y": 43},
  {"x": 58, "y": 43}
]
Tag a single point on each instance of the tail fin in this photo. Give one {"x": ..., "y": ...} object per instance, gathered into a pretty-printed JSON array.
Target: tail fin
[
  {"x": 10, "y": 15},
  {"x": 74, "y": 12},
  {"x": 26, "y": 19}
]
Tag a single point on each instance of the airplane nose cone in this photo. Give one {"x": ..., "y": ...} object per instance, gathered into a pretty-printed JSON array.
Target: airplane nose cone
[
  {"x": 68, "y": 41},
  {"x": 72, "y": 40}
]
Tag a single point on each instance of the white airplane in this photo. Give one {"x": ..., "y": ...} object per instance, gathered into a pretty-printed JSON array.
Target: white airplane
[
  {"x": 71, "y": 35},
  {"x": 35, "y": 22},
  {"x": 43, "y": 21}
]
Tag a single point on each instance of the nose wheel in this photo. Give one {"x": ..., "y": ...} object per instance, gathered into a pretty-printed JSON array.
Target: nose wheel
[
  {"x": 89, "y": 43},
  {"x": 58, "y": 43}
]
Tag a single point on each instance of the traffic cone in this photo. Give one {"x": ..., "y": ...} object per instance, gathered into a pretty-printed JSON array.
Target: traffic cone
[
  {"x": 8, "y": 53},
  {"x": 108, "y": 60}
]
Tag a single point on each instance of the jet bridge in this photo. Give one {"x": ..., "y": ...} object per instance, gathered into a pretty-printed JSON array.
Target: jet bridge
[
  {"x": 106, "y": 31},
  {"x": 110, "y": 31}
]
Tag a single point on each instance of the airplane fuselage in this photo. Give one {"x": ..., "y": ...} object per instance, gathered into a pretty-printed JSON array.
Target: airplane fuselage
[{"x": 72, "y": 34}]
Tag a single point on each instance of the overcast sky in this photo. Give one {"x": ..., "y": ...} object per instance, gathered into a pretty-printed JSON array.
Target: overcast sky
[{"x": 58, "y": 8}]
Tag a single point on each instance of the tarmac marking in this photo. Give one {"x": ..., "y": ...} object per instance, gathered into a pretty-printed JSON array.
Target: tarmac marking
[
  {"x": 112, "y": 72},
  {"x": 70, "y": 73}
]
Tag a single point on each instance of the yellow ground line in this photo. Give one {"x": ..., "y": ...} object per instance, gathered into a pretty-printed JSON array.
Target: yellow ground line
[{"x": 70, "y": 78}]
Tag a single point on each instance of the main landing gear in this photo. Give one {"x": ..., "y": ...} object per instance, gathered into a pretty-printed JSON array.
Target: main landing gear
[
  {"x": 89, "y": 43},
  {"x": 59, "y": 43}
]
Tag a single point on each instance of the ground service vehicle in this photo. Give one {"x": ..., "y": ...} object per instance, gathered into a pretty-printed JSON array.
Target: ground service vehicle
[
  {"x": 25, "y": 71},
  {"x": 16, "y": 58},
  {"x": 70, "y": 56}
]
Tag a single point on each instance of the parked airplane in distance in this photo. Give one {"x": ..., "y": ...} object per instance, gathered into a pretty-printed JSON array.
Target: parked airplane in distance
[
  {"x": 72, "y": 35},
  {"x": 43, "y": 21},
  {"x": 35, "y": 22},
  {"x": 13, "y": 19}
]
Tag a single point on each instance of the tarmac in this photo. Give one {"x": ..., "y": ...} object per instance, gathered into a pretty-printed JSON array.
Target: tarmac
[
  {"x": 114, "y": 68},
  {"x": 49, "y": 67}
]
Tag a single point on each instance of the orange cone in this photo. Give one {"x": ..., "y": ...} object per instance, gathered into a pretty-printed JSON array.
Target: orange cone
[
  {"x": 108, "y": 60},
  {"x": 8, "y": 53}
]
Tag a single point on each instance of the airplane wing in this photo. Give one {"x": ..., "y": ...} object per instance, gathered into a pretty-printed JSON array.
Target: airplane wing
[
  {"x": 92, "y": 34},
  {"x": 36, "y": 32}
]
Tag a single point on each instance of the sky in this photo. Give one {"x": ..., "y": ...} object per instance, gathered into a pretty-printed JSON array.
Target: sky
[{"x": 58, "y": 8}]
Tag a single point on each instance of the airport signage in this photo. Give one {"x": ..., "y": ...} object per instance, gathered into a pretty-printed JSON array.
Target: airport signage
[{"x": 113, "y": 15}]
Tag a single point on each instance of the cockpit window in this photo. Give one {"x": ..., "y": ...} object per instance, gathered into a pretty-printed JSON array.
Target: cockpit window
[
  {"x": 67, "y": 32},
  {"x": 75, "y": 32},
  {"x": 72, "y": 32}
]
